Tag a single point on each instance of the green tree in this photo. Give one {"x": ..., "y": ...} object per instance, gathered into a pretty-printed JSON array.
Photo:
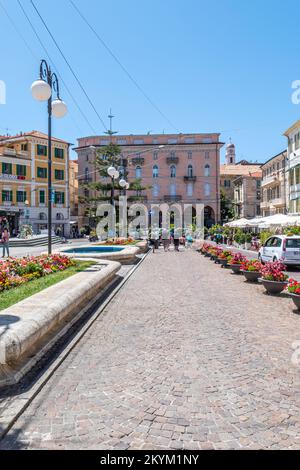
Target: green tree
[{"x": 227, "y": 209}]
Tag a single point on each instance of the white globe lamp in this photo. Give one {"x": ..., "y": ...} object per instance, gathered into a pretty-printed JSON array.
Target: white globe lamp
[
  {"x": 59, "y": 109},
  {"x": 127, "y": 186},
  {"x": 111, "y": 171},
  {"x": 122, "y": 183},
  {"x": 40, "y": 90},
  {"x": 116, "y": 174}
]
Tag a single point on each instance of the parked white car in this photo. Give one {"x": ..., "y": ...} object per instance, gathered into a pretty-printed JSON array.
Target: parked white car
[{"x": 281, "y": 247}]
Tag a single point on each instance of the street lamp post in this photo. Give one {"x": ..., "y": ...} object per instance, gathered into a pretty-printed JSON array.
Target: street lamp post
[{"x": 42, "y": 90}]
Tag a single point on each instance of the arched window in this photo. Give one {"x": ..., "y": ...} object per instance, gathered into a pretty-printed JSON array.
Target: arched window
[
  {"x": 59, "y": 216},
  {"x": 207, "y": 170},
  {"x": 190, "y": 171},
  {"x": 155, "y": 171},
  {"x": 155, "y": 190},
  {"x": 42, "y": 216},
  {"x": 190, "y": 189},
  {"x": 207, "y": 189},
  {"x": 138, "y": 172},
  {"x": 172, "y": 189},
  {"x": 173, "y": 171}
]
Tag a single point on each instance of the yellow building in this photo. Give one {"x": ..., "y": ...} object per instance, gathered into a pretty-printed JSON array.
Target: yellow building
[
  {"x": 24, "y": 178},
  {"x": 73, "y": 187}
]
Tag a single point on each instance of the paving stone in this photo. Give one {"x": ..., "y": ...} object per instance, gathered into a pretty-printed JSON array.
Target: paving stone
[{"x": 187, "y": 355}]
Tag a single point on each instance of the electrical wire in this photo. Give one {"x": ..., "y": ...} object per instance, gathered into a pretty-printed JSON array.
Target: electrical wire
[
  {"x": 69, "y": 66},
  {"x": 117, "y": 60},
  {"x": 56, "y": 68}
]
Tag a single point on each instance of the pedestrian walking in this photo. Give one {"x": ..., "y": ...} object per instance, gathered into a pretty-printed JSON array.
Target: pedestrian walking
[
  {"x": 5, "y": 242},
  {"x": 166, "y": 239},
  {"x": 176, "y": 243}
]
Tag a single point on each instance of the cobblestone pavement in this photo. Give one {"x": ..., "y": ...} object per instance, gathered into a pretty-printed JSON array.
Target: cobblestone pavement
[{"x": 187, "y": 355}]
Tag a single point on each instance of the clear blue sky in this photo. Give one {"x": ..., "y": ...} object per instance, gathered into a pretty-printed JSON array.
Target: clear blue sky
[{"x": 223, "y": 65}]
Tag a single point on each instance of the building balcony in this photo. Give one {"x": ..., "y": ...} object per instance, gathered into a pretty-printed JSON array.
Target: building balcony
[
  {"x": 270, "y": 180},
  {"x": 172, "y": 160},
  {"x": 141, "y": 198},
  {"x": 278, "y": 202},
  {"x": 189, "y": 179},
  {"x": 9, "y": 152},
  {"x": 138, "y": 161},
  {"x": 169, "y": 198},
  {"x": 265, "y": 204}
]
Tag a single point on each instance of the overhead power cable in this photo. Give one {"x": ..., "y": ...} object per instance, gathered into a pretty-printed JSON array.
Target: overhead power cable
[
  {"x": 69, "y": 66},
  {"x": 50, "y": 59},
  {"x": 117, "y": 60}
]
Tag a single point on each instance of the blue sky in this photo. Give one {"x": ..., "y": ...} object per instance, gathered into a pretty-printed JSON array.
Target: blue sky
[{"x": 221, "y": 66}]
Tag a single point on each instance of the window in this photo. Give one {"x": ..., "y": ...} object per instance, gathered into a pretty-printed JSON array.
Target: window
[
  {"x": 59, "y": 153},
  {"x": 190, "y": 155},
  {"x": 227, "y": 183},
  {"x": 41, "y": 172},
  {"x": 172, "y": 155},
  {"x": 138, "y": 141},
  {"x": 21, "y": 196},
  {"x": 207, "y": 170},
  {"x": 104, "y": 142},
  {"x": 190, "y": 171},
  {"x": 138, "y": 172},
  {"x": 121, "y": 142},
  {"x": 42, "y": 196},
  {"x": 155, "y": 171},
  {"x": 59, "y": 216},
  {"x": 173, "y": 171},
  {"x": 190, "y": 141},
  {"x": 42, "y": 216},
  {"x": 207, "y": 141},
  {"x": 59, "y": 174},
  {"x": 59, "y": 197},
  {"x": 155, "y": 190},
  {"x": 190, "y": 189},
  {"x": 258, "y": 184},
  {"x": 24, "y": 147},
  {"x": 207, "y": 189},
  {"x": 172, "y": 141},
  {"x": 155, "y": 155},
  {"x": 292, "y": 243},
  {"x": 206, "y": 155},
  {"x": 21, "y": 170},
  {"x": 173, "y": 189},
  {"x": 7, "y": 168},
  {"x": 7, "y": 195},
  {"x": 41, "y": 150}
]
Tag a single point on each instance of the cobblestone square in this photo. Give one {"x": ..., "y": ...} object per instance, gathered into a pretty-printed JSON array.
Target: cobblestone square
[{"x": 187, "y": 356}]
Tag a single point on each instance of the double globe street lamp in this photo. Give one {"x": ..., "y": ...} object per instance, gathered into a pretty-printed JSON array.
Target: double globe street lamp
[
  {"x": 42, "y": 90},
  {"x": 114, "y": 174}
]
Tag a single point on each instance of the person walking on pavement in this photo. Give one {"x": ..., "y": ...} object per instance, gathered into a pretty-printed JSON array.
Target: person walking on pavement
[
  {"x": 5, "y": 242},
  {"x": 166, "y": 239}
]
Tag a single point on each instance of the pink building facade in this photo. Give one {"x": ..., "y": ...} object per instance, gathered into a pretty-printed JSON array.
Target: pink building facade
[{"x": 181, "y": 168}]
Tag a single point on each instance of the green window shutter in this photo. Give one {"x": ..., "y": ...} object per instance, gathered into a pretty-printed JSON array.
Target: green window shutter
[
  {"x": 42, "y": 197},
  {"x": 21, "y": 170},
  {"x": 41, "y": 172}
]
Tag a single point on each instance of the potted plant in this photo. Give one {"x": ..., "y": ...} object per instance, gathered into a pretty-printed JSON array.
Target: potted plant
[
  {"x": 251, "y": 269},
  {"x": 236, "y": 262},
  {"x": 293, "y": 289},
  {"x": 273, "y": 277},
  {"x": 248, "y": 240},
  {"x": 242, "y": 240},
  {"x": 225, "y": 257}
]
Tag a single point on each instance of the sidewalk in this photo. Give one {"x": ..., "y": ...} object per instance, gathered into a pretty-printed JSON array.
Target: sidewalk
[{"x": 187, "y": 355}]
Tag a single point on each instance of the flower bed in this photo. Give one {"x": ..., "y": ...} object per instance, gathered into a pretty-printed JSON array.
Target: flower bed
[
  {"x": 119, "y": 241},
  {"x": 15, "y": 272}
]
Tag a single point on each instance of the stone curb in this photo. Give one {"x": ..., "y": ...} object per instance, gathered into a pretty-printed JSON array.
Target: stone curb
[
  {"x": 43, "y": 315},
  {"x": 20, "y": 404}
]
